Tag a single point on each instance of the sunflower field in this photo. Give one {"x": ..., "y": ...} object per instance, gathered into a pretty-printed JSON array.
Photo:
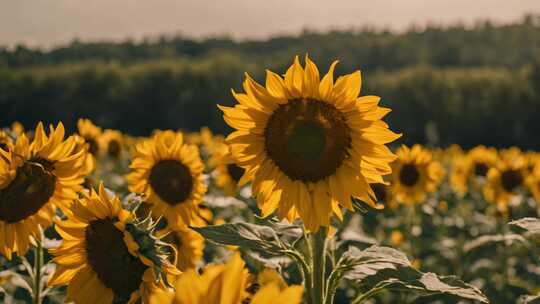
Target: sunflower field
[{"x": 308, "y": 200}]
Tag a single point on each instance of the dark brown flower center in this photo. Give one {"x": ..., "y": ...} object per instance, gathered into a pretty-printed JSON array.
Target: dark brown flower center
[
  {"x": 92, "y": 146},
  {"x": 172, "y": 181},
  {"x": 110, "y": 259},
  {"x": 31, "y": 189},
  {"x": 235, "y": 172},
  {"x": 480, "y": 169},
  {"x": 307, "y": 139},
  {"x": 409, "y": 175},
  {"x": 114, "y": 149},
  {"x": 511, "y": 179},
  {"x": 380, "y": 191},
  {"x": 4, "y": 146}
]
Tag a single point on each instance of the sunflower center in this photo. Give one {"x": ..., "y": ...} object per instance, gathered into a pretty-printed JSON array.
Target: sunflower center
[
  {"x": 307, "y": 139},
  {"x": 172, "y": 181},
  {"x": 380, "y": 192},
  {"x": 409, "y": 175},
  {"x": 32, "y": 187},
  {"x": 480, "y": 169},
  {"x": 235, "y": 172},
  {"x": 92, "y": 146},
  {"x": 110, "y": 259},
  {"x": 511, "y": 179},
  {"x": 113, "y": 149},
  {"x": 4, "y": 146}
]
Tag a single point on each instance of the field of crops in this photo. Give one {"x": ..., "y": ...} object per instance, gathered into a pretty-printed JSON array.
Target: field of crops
[{"x": 309, "y": 200}]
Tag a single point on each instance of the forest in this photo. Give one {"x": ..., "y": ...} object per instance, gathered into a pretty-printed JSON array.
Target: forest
[{"x": 457, "y": 84}]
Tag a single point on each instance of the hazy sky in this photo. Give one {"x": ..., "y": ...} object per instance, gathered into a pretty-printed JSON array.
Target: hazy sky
[{"x": 53, "y": 22}]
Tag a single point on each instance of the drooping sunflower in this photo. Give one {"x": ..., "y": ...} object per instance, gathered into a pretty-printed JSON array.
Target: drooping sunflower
[
  {"x": 188, "y": 244},
  {"x": 415, "y": 173},
  {"x": 111, "y": 143},
  {"x": 472, "y": 168},
  {"x": 229, "y": 283},
  {"x": 506, "y": 178},
  {"x": 34, "y": 178},
  {"x": 170, "y": 174},
  {"x": 309, "y": 145},
  {"x": 108, "y": 256},
  {"x": 90, "y": 133}
]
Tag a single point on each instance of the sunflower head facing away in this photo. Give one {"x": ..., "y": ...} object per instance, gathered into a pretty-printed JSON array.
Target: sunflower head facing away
[
  {"x": 309, "y": 144},
  {"x": 34, "y": 178},
  {"x": 505, "y": 180},
  {"x": 170, "y": 174},
  {"x": 107, "y": 255},
  {"x": 471, "y": 169},
  {"x": 415, "y": 174}
]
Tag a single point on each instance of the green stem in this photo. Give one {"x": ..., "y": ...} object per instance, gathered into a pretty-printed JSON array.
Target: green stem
[
  {"x": 304, "y": 271},
  {"x": 318, "y": 257},
  {"x": 38, "y": 264},
  {"x": 368, "y": 295}
]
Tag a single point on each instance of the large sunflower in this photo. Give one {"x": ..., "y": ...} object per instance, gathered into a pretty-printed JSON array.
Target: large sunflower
[
  {"x": 309, "y": 145},
  {"x": 506, "y": 179},
  {"x": 415, "y": 173},
  {"x": 229, "y": 283},
  {"x": 35, "y": 177},
  {"x": 170, "y": 174},
  {"x": 472, "y": 168},
  {"x": 107, "y": 256}
]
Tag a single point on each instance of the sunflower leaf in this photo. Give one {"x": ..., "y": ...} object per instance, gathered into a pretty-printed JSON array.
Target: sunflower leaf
[
  {"x": 377, "y": 268},
  {"x": 245, "y": 235},
  {"x": 532, "y": 225},
  {"x": 530, "y": 299},
  {"x": 485, "y": 240}
]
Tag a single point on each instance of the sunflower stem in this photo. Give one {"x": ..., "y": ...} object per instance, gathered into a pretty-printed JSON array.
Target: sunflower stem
[
  {"x": 38, "y": 264},
  {"x": 319, "y": 265}
]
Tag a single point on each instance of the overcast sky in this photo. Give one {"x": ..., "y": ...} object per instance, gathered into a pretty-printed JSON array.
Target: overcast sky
[{"x": 53, "y": 22}]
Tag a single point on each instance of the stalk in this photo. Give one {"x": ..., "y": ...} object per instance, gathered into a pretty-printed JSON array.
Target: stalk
[
  {"x": 38, "y": 264},
  {"x": 319, "y": 265}
]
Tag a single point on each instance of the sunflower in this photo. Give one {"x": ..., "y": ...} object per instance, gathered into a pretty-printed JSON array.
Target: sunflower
[
  {"x": 169, "y": 173},
  {"x": 472, "y": 168},
  {"x": 227, "y": 173},
  {"x": 384, "y": 195},
  {"x": 90, "y": 133},
  {"x": 415, "y": 173},
  {"x": 533, "y": 184},
  {"x": 230, "y": 283},
  {"x": 35, "y": 177},
  {"x": 506, "y": 179},
  {"x": 107, "y": 255},
  {"x": 188, "y": 244},
  {"x": 309, "y": 145},
  {"x": 6, "y": 142},
  {"x": 111, "y": 143}
]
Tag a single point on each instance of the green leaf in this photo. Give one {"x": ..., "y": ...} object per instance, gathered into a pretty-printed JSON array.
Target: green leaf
[
  {"x": 532, "y": 225},
  {"x": 377, "y": 268},
  {"x": 245, "y": 235}
]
